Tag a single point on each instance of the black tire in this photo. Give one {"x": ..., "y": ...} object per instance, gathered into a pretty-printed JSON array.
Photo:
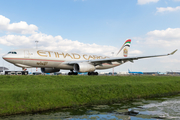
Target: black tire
[{"x": 89, "y": 73}]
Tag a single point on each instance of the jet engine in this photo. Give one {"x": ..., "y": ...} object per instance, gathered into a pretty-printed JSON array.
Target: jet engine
[
  {"x": 84, "y": 67},
  {"x": 49, "y": 70}
]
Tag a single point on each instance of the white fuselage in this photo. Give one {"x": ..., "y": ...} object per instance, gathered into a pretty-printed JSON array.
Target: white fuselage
[{"x": 27, "y": 58}]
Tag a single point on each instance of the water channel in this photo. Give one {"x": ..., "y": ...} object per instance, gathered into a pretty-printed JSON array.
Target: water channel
[{"x": 141, "y": 109}]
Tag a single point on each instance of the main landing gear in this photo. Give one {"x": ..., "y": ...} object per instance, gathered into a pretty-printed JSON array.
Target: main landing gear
[
  {"x": 92, "y": 73},
  {"x": 75, "y": 73},
  {"x": 72, "y": 73}
]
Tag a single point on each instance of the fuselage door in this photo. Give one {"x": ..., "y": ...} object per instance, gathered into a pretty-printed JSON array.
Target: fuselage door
[{"x": 26, "y": 54}]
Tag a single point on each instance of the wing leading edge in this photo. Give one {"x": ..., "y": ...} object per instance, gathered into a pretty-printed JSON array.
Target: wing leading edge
[{"x": 117, "y": 59}]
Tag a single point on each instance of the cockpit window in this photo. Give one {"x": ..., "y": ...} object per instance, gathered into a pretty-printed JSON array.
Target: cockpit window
[{"x": 12, "y": 52}]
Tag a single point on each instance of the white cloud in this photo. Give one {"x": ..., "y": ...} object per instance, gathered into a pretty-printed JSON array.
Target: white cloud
[
  {"x": 136, "y": 52},
  {"x": 168, "y": 34},
  {"x": 164, "y": 40},
  {"x": 170, "y": 60},
  {"x": 173, "y": 33},
  {"x": 20, "y": 27},
  {"x": 57, "y": 43},
  {"x": 161, "y": 42},
  {"x": 142, "y": 2},
  {"x": 167, "y": 9},
  {"x": 50, "y": 42}
]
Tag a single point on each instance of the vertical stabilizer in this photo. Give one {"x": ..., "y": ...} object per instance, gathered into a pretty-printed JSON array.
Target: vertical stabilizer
[{"x": 123, "y": 52}]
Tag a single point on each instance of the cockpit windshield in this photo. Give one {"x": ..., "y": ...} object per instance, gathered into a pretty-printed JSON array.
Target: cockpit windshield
[{"x": 12, "y": 52}]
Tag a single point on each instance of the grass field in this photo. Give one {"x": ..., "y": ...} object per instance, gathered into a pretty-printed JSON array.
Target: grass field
[{"x": 26, "y": 94}]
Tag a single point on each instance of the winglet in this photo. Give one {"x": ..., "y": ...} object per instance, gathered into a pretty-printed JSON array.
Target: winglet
[{"x": 173, "y": 52}]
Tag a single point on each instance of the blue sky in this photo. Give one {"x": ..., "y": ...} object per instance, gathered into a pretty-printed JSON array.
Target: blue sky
[{"x": 95, "y": 26}]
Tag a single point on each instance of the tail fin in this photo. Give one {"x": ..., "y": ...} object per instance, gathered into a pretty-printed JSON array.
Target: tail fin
[{"x": 123, "y": 52}]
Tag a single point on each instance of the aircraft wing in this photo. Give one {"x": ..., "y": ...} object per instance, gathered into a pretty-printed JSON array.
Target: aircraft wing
[{"x": 117, "y": 59}]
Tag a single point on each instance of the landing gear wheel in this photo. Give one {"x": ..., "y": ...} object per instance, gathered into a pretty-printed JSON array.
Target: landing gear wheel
[
  {"x": 72, "y": 73},
  {"x": 89, "y": 73},
  {"x": 92, "y": 73},
  {"x": 69, "y": 73}
]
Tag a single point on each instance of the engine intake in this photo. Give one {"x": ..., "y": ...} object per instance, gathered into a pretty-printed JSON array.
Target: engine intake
[
  {"x": 84, "y": 67},
  {"x": 49, "y": 70}
]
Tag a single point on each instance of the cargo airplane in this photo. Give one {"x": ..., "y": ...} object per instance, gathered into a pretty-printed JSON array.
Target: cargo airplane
[{"x": 53, "y": 61}]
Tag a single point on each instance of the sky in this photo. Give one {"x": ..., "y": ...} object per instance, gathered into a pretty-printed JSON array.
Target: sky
[{"x": 94, "y": 27}]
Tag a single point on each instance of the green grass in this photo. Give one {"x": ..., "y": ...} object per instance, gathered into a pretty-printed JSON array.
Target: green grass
[{"x": 25, "y": 94}]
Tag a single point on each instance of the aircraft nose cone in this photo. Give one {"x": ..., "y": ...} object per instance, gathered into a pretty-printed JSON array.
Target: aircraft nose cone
[{"x": 4, "y": 57}]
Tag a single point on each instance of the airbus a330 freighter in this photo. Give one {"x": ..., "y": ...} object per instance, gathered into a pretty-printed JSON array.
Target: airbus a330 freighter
[{"x": 53, "y": 61}]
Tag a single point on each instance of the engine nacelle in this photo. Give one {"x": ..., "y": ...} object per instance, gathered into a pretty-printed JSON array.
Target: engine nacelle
[
  {"x": 49, "y": 70},
  {"x": 84, "y": 67}
]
